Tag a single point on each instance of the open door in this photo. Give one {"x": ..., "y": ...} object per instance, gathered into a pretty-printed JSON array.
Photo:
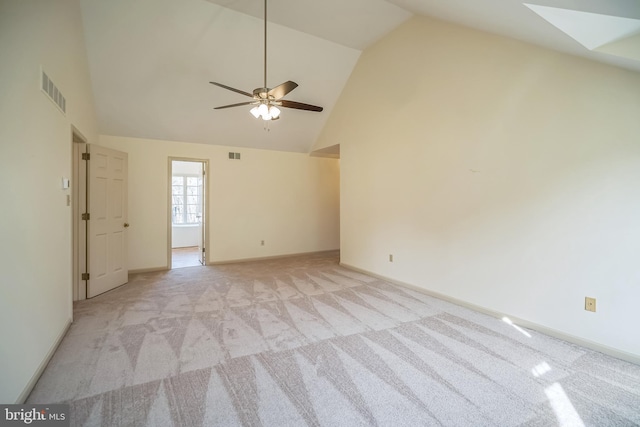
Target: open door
[{"x": 107, "y": 219}]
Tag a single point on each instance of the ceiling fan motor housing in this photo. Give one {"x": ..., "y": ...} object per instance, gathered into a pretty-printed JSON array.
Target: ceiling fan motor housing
[{"x": 261, "y": 93}]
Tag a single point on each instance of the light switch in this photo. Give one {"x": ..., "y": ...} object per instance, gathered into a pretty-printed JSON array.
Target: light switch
[{"x": 65, "y": 183}]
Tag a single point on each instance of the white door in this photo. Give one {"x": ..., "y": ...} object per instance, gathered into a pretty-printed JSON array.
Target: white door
[{"x": 107, "y": 224}]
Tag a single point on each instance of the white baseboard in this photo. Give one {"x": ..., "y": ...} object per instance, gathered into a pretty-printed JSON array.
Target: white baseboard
[
  {"x": 149, "y": 270},
  {"x": 273, "y": 257},
  {"x": 619, "y": 354},
  {"x": 36, "y": 375}
]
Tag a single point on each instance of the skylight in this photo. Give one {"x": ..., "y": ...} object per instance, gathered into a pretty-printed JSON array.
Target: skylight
[{"x": 601, "y": 33}]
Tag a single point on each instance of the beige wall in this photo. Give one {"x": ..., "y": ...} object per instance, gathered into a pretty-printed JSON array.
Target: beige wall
[
  {"x": 35, "y": 153},
  {"x": 289, "y": 200},
  {"x": 496, "y": 173}
]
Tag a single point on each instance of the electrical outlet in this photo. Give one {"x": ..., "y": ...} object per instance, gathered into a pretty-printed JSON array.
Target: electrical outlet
[
  {"x": 261, "y": 242},
  {"x": 590, "y": 304},
  {"x": 390, "y": 257}
]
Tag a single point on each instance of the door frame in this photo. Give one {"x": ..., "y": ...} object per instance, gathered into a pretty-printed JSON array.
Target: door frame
[
  {"x": 78, "y": 206},
  {"x": 205, "y": 206}
]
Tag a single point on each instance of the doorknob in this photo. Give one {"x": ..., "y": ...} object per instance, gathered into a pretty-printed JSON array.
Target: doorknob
[{"x": 126, "y": 225}]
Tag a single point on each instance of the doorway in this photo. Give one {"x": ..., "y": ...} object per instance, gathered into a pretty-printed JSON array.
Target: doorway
[
  {"x": 187, "y": 202},
  {"x": 79, "y": 201}
]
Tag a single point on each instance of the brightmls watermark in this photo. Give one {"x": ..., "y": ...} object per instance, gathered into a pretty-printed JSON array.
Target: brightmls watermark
[{"x": 35, "y": 415}]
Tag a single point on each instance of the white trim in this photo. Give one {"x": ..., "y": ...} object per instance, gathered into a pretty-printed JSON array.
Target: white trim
[
  {"x": 36, "y": 375},
  {"x": 623, "y": 355}
]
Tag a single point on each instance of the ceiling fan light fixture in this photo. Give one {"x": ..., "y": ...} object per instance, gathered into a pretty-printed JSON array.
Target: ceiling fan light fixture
[{"x": 265, "y": 111}]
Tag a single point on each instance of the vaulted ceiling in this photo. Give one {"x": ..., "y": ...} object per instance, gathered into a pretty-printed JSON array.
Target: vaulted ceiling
[{"x": 151, "y": 60}]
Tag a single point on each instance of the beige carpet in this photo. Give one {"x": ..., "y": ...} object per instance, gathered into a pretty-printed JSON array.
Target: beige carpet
[{"x": 302, "y": 341}]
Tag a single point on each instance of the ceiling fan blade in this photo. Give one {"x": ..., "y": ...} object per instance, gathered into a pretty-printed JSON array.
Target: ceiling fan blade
[
  {"x": 299, "y": 105},
  {"x": 234, "y": 105},
  {"x": 241, "y": 92},
  {"x": 280, "y": 91}
]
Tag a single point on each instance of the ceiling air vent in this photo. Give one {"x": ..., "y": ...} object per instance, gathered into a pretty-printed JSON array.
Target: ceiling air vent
[{"x": 53, "y": 93}]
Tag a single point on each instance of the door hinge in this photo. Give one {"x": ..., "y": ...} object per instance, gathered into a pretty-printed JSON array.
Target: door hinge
[
  {"x": 203, "y": 249},
  {"x": 86, "y": 216},
  {"x": 86, "y": 156},
  {"x": 85, "y": 276}
]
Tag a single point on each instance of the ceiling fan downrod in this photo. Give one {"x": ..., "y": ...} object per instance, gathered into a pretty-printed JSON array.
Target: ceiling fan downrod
[
  {"x": 265, "y": 45},
  {"x": 265, "y": 101},
  {"x": 267, "y": 109}
]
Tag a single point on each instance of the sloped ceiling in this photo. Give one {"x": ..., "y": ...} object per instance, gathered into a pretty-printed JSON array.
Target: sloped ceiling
[{"x": 151, "y": 60}]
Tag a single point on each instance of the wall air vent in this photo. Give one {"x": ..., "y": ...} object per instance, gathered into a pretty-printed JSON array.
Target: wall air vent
[
  {"x": 234, "y": 156},
  {"x": 51, "y": 90}
]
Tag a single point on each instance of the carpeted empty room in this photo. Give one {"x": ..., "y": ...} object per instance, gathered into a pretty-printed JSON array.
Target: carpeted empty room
[{"x": 303, "y": 341}]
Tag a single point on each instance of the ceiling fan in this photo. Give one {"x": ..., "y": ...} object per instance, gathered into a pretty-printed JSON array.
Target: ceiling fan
[{"x": 265, "y": 100}]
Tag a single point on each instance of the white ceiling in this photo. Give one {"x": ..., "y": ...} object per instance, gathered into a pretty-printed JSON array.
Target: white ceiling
[{"x": 151, "y": 60}]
